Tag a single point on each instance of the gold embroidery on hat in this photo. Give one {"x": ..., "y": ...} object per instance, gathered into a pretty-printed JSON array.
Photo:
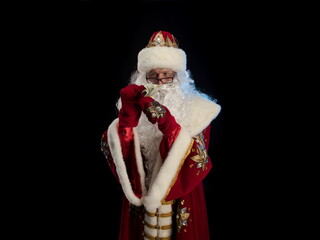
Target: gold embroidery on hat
[{"x": 159, "y": 40}]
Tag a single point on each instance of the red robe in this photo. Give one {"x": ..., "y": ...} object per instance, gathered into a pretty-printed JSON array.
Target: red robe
[{"x": 174, "y": 205}]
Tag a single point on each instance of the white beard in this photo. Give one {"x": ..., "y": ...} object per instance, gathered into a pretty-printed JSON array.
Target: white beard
[
  {"x": 178, "y": 103},
  {"x": 177, "y": 97}
]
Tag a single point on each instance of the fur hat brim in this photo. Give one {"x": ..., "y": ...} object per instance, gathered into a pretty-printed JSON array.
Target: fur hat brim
[{"x": 161, "y": 57}]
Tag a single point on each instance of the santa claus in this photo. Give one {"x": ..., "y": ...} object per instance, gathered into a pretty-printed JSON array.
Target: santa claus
[{"x": 157, "y": 147}]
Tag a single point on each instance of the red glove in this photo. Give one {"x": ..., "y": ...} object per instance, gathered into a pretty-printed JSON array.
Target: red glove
[
  {"x": 160, "y": 114},
  {"x": 130, "y": 111}
]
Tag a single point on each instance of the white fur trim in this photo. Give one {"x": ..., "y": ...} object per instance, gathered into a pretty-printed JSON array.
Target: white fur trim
[
  {"x": 165, "y": 233},
  {"x": 162, "y": 57},
  {"x": 163, "y": 174},
  {"x": 161, "y": 184},
  {"x": 203, "y": 111},
  {"x": 165, "y": 208},
  {"x": 151, "y": 220},
  {"x": 151, "y": 232},
  {"x": 115, "y": 149},
  {"x": 165, "y": 221},
  {"x": 160, "y": 221}
]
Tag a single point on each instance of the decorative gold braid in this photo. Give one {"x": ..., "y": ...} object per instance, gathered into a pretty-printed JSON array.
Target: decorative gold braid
[
  {"x": 168, "y": 202},
  {"x": 162, "y": 215},
  {"x": 166, "y": 227},
  {"x": 151, "y": 214},
  {"x": 146, "y": 235},
  {"x": 177, "y": 173}
]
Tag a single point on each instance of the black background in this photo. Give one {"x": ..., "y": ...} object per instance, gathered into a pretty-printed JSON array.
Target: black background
[
  {"x": 63, "y": 69},
  {"x": 231, "y": 55}
]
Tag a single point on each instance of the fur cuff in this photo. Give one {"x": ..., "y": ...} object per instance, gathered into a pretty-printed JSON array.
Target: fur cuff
[
  {"x": 115, "y": 149},
  {"x": 168, "y": 172}
]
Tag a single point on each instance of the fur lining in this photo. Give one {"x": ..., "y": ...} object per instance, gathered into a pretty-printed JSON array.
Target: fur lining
[
  {"x": 162, "y": 57},
  {"x": 151, "y": 232},
  {"x": 115, "y": 147},
  {"x": 163, "y": 174},
  {"x": 208, "y": 110},
  {"x": 203, "y": 111},
  {"x": 161, "y": 184}
]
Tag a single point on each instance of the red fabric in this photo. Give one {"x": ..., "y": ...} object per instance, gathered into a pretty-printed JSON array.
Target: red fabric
[
  {"x": 127, "y": 145},
  {"x": 190, "y": 175},
  {"x": 197, "y": 228},
  {"x": 197, "y": 224},
  {"x": 131, "y": 227},
  {"x": 144, "y": 102},
  {"x": 187, "y": 190},
  {"x": 166, "y": 123},
  {"x": 107, "y": 153},
  {"x": 130, "y": 111},
  {"x": 167, "y": 142},
  {"x": 165, "y": 36}
]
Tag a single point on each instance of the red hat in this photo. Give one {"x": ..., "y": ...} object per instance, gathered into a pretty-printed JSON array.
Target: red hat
[{"x": 162, "y": 51}]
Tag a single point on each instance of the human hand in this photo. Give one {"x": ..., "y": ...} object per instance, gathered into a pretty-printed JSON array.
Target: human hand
[
  {"x": 130, "y": 111},
  {"x": 131, "y": 93}
]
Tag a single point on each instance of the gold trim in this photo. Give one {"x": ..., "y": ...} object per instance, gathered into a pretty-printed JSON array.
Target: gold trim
[
  {"x": 165, "y": 227},
  {"x": 152, "y": 214},
  {"x": 162, "y": 215},
  {"x": 177, "y": 173},
  {"x": 168, "y": 202},
  {"x": 146, "y": 235}
]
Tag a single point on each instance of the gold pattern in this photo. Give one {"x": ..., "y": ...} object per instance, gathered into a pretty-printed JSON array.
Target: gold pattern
[
  {"x": 202, "y": 158},
  {"x": 159, "y": 40},
  {"x": 156, "y": 110},
  {"x": 176, "y": 176},
  {"x": 182, "y": 217}
]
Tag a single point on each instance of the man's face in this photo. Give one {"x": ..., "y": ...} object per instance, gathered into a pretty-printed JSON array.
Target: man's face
[{"x": 160, "y": 76}]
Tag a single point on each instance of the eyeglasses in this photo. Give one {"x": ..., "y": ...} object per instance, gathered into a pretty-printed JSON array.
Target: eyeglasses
[{"x": 164, "y": 80}]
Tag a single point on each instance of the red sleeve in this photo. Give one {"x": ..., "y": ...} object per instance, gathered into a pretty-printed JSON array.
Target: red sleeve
[
  {"x": 194, "y": 169},
  {"x": 105, "y": 148},
  {"x": 167, "y": 124},
  {"x": 126, "y": 137}
]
